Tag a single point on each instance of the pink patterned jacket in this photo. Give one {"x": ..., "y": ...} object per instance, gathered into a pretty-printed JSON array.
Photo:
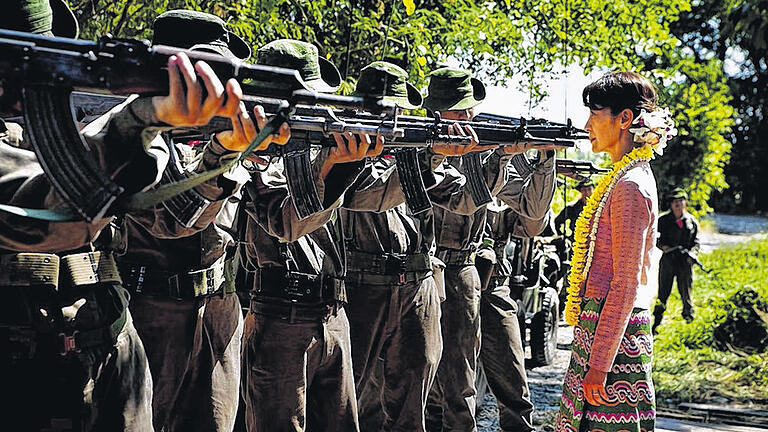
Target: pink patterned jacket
[{"x": 622, "y": 259}]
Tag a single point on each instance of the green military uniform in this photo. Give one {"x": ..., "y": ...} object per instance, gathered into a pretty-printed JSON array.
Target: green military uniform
[
  {"x": 71, "y": 358},
  {"x": 182, "y": 289},
  {"x": 501, "y": 350},
  {"x": 297, "y": 364},
  {"x": 678, "y": 236},
  {"x": 528, "y": 190},
  {"x": 394, "y": 310}
]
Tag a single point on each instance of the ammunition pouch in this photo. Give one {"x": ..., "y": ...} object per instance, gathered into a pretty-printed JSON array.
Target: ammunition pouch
[
  {"x": 141, "y": 279},
  {"x": 455, "y": 257}
]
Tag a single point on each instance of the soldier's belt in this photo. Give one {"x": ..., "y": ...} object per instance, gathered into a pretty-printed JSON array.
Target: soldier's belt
[
  {"x": 294, "y": 313},
  {"x": 455, "y": 257},
  {"x": 399, "y": 265},
  {"x": 31, "y": 269},
  {"x": 179, "y": 286},
  {"x": 299, "y": 287}
]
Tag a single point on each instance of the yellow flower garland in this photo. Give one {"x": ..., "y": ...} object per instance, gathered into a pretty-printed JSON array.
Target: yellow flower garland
[{"x": 586, "y": 233}]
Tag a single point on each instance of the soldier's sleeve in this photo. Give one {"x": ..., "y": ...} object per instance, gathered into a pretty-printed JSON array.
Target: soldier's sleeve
[
  {"x": 161, "y": 222},
  {"x": 452, "y": 193},
  {"x": 270, "y": 203},
  {"x": 378, "y": 188},
  {"x": 529, "y": 189},
  {"x": 527, "y": 227},
  {"x": 126, "y": 146}
]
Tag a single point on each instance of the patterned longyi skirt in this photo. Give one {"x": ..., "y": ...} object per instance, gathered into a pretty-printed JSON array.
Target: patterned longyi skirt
[{"x": 632, "y": 405}]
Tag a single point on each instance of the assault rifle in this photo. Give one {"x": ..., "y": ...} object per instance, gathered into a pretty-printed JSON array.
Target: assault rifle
[
  {"x": 578, "y": 170},
  {"x": 687, "y": 253},
  {"x": 311, "y": 126},
  {"x": 46, "y": 70}
]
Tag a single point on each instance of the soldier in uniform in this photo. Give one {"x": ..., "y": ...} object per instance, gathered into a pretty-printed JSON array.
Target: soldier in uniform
[
  {"x": 394, "y": 307},
  {"x": 71, "y": 357},
  {"x": 179, "y": 274},
  {"x": 565, "y": 222},
  {"x": 501, "y": 351},
  {"x": 679, "y": 242},
  {"x": 297, "y": 364},
  {"x": 528, "y": 190}
]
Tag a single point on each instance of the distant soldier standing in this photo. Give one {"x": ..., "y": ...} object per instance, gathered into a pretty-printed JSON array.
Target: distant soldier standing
[
  {"x": 678, "y": 240},
  {"x": 565, "y": 222}
]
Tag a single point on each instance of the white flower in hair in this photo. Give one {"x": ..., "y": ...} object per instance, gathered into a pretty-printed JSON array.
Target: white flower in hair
[{"x": 655, "y": 128}]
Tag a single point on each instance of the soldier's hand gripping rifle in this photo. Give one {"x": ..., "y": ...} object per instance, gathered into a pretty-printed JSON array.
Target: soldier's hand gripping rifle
[
  {"x": 687, "y": 253},
  {"x": 578, "y": 170},
  {"x": 46, "y": 70}
]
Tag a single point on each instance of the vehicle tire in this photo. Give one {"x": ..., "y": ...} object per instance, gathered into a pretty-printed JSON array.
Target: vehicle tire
[{"x": 544, "y": 330}]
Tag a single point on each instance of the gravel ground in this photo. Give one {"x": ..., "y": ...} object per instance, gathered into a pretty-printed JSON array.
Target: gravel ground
[{"x": 546, "y": 382}]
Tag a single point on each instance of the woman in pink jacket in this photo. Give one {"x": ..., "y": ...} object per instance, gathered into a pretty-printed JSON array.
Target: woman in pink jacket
[{"x": 608, "y": 385}]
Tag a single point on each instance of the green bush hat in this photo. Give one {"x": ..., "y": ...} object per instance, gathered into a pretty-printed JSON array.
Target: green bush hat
[
  {"x": 52, "y": 18},
  {"x": 200, "y": 31},
  {"x": 318, "y": 73},
  {"x": 678, "y": 193},
  {"x": 453, "y": 89},
  {"x": 391, "y": 81}
]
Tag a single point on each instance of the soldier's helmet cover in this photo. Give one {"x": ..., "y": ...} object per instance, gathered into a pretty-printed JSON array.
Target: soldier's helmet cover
[
  {"x": 198, "y": 31},
  {"x": 318, "y": 73},
  {"x": 50, "y": 18},
  {"x": 385, "y": 79},
  {"x": 452, "y": 89}
]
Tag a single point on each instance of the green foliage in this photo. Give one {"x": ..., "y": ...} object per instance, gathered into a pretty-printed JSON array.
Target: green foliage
[
  {"x": 495, "y": 39},
  {"x": 698, "y": 94},
  {"x": 736, "y": 31},
  {"x": 723, "y": 351}
]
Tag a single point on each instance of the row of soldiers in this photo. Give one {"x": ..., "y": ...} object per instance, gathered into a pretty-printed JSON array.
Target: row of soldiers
[{"x": 362, "y": 316}]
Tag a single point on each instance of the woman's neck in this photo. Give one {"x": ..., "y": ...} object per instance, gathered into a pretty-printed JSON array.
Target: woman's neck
[{"x": 621, "y": 148}]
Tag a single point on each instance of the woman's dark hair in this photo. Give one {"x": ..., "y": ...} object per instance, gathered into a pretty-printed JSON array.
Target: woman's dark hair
[{"x": 619, "y": 91}]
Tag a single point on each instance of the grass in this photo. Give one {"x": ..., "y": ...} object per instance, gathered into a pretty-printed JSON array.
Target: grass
[{"x": 722, "y": 356}]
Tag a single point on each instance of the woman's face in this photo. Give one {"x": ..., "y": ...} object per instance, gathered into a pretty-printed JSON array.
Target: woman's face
[{"x": 604, "y": 129}]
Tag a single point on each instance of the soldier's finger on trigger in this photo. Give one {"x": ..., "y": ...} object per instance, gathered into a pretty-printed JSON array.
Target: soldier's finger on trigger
[{"x": 261, "y": 117}]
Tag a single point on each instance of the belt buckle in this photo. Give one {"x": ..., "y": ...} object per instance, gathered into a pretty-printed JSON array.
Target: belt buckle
[
  {"x": 394, "y": 264},
  {"x": 210, "y": 281},
  {"x": 68, "y": 343},
  {"x": 174, "y": 290}
]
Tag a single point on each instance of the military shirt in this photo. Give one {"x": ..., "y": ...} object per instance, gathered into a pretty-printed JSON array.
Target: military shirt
[
  {"x": 527, "y": 191},
  {"x": 565, "y": 222},
  {"x": 275, "y": 237},
  {"x": 685, "y": 235},
  {"x": 154, "y": 238},
  {"x": 126, "y": 144}
]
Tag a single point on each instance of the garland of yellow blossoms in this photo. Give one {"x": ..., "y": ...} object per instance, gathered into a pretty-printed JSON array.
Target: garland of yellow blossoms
[{"x": 586, "y": 233}]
